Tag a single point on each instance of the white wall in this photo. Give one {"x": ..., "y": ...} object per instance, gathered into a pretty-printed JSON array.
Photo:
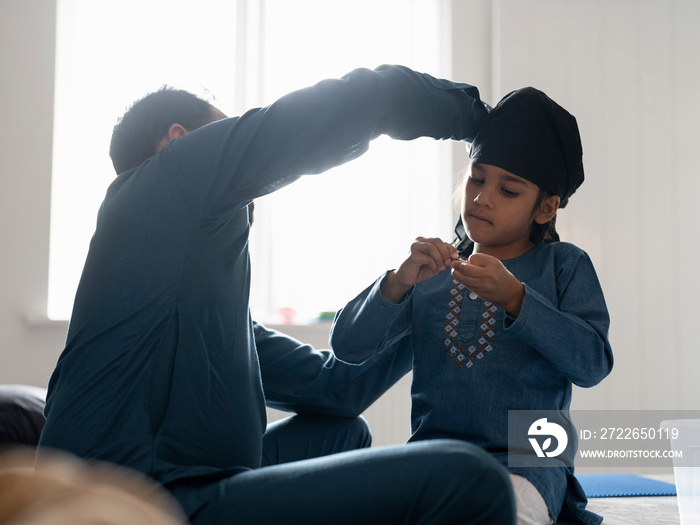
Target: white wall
[
  {"x": 27, "y": 34},
  {"x": 628, "y": 70},
  {"x": 625, "y": 68}
]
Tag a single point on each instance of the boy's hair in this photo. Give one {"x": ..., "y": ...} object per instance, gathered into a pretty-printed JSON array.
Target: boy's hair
[{"x": 136, "y": 134}]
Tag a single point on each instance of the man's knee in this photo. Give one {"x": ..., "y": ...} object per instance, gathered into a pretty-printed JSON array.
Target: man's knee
[
  {"x": 341, "y": 434},
  {"x": 305, "y": 436},
  {"x": 473, "y": 463},
  {"x": 359, "y": 432},
  {"x": 468, "y": 479}
]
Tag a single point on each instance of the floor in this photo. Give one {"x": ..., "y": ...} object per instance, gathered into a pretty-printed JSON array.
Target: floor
[{"x": 658, "y": 510}]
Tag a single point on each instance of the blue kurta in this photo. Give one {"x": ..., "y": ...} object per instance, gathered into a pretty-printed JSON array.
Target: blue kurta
[
  {"x": 473, "y": 363},
  {"x": 160, "y": 370}
]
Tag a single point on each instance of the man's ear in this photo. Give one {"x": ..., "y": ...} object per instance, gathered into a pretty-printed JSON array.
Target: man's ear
[
  {"x": 548, "y": 209},
  {"x": 175, "y": 131}
]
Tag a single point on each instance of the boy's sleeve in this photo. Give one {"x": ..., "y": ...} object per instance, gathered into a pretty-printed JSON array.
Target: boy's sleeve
[
  {"x": 370, "y": 324},
  {"x": 573, "y": 335},
  {"x": 308, "y": 131}
]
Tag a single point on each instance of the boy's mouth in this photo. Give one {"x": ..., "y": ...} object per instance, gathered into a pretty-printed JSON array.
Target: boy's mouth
[{"x": 479, "y": 218}]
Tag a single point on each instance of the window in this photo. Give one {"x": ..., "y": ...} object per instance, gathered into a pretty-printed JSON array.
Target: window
[{"x": 314, "y": 244}]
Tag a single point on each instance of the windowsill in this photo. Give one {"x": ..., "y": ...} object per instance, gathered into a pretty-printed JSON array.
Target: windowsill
[
  {"x": 303, "y": 332},
  {"x": 39, "y": 321},
  {"x": 35, "y": 321}
]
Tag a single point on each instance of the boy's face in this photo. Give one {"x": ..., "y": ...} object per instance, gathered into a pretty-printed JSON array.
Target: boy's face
[{"x": 498, "y": 211}]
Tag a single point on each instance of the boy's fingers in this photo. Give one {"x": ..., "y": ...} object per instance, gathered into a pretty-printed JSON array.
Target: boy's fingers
[
  {"x": 447, "y": 251},
  {"x": 461, "y": 265},
  {"x": 480, "y": 259},
  {"x": 467, "y": 272},
  {"x": 454, "y": 254},
  {"x": 439, "y": 249},
  {"x": 432, "y": 249}
]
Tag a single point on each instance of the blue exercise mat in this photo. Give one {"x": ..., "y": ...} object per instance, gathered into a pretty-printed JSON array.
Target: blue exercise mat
[{"x": 623, "y": 485}]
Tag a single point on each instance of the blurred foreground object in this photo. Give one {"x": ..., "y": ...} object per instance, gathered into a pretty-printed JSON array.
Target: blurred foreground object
[{"x": 64, "y": 490}]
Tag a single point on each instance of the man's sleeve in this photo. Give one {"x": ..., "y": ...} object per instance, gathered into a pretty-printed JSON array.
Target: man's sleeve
[
  {"x": 311, "y": 130},
  {"x": 299, "y": 378}
]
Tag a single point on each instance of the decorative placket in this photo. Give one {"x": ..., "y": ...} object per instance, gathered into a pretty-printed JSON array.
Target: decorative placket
[{"x": 455, "y": 351}]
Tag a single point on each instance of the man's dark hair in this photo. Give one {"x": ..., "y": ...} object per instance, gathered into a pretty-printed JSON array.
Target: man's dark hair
[{"x": 138, "y": 132}]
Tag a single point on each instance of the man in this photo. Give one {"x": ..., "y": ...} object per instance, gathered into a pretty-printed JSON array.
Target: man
[{"x": 161, "y": 373}]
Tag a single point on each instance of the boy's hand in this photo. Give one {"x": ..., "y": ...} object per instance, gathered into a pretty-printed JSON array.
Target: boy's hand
[
  {"x": 489, "y": 279},
  {"x": 428, "y": 257}
]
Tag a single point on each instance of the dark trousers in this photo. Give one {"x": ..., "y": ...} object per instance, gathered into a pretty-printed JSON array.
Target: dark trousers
[{"x": 319, "y": 470}]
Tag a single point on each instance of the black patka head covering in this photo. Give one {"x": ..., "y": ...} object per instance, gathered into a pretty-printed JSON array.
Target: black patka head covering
[{"x": 533, "y": 137}]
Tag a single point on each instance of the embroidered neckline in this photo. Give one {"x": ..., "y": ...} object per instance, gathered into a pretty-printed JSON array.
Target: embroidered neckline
[{"x": 457, "y": 353}]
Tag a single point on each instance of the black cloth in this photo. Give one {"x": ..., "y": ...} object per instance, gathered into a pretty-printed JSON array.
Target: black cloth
[
  {"x": 533, "y": 137},
  {"x": 21, "y": 414}
]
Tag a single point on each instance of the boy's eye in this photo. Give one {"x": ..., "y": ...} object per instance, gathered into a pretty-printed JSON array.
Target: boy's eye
[
  {"x": 474, "y": 180},
  {"x": 509, "y": 193}
]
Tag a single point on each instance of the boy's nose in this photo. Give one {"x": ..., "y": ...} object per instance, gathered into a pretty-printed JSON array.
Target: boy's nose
[{"x": 483, "y": 198}]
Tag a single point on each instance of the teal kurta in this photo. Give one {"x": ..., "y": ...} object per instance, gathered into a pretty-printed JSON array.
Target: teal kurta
[{"x": 473, "y": 363}]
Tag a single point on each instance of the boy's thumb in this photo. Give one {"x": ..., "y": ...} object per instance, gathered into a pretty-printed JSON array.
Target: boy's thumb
[{"x": 478, "y": 259}]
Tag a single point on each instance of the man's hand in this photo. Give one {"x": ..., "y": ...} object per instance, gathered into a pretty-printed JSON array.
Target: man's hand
[
  {"x": 427, "y": 258},
  {"x": 489, "y": 279}
]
